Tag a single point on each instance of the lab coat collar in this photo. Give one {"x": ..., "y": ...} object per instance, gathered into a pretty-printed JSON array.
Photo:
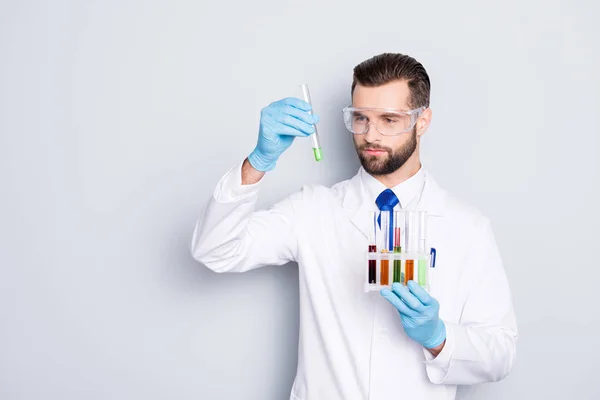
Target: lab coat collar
[
  {"x": 358, "y": 202},
  {"x": 407, "y": 192}
]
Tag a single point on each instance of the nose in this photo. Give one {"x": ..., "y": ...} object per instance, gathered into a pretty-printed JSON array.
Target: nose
[{"x": 372, "y": 135}]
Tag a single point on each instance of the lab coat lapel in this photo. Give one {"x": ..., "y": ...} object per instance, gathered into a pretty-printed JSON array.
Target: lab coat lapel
[
  {"x": 434, "y": 198},
  {"x": 357, "y": 205}
]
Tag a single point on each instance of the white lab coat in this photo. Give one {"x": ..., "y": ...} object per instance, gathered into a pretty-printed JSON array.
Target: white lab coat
[{"x": 352, "y": 344}]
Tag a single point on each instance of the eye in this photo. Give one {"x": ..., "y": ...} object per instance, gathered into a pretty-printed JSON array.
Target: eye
[
  {"x": 360, "y": 118},
  {"x": 390, "y": 120}
]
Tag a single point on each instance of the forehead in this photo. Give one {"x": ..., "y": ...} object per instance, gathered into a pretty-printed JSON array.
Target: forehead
[{"x": 391, "y": 95}]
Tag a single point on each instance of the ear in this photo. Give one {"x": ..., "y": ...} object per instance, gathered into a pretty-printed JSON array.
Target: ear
[{"x": 423, "y": 122}]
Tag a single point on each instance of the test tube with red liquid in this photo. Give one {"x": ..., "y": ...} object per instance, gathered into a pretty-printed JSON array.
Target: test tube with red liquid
[{"x": 373, "y": 248}]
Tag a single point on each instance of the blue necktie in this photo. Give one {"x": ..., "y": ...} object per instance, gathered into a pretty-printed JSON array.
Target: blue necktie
[{"x": 386, "y": 201}]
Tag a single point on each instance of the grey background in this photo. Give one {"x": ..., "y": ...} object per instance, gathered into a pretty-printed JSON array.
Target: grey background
[{"x": 117, "y": 118}]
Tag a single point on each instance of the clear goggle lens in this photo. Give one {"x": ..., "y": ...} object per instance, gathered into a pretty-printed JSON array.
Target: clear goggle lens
[{"x": 387, "y": 122}]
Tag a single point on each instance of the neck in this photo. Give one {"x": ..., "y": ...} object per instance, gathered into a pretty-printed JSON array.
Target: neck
[{"x": 410, "y": 167}]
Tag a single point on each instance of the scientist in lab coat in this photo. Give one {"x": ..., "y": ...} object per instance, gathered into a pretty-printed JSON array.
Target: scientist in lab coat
[{"x": 401, "y": 343}]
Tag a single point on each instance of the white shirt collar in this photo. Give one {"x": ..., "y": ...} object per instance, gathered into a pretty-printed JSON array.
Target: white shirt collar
[{"x": 406, "y": 191}]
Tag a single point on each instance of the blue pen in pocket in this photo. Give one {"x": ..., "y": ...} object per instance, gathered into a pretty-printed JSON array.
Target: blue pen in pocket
[{"x": 433, "y": 255}]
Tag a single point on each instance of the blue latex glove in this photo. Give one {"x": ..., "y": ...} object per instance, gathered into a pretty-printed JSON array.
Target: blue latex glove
[
  {"x": 418, "y": 312},
  {"x": 280, "y": 123}
]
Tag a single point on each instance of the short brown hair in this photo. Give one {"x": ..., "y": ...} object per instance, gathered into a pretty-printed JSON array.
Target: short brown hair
[{"x": 388, "y": 67}]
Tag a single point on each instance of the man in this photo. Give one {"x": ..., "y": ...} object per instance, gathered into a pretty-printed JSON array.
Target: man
[{"x": 404, "y": 343}]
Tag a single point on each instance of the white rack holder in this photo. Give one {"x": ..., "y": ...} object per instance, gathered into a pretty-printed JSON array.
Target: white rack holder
[{"x": 422, "y": 266}]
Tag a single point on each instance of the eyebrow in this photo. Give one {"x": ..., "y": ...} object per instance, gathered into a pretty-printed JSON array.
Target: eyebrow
[
  {"x": 390, "y": 115},
  {"x": 387, "y": 115},
  {"x": 383, "y": 115}
]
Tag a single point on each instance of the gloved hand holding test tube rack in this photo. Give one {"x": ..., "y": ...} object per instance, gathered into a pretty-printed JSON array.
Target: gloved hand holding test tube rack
[{"x": 401, "y": 245}]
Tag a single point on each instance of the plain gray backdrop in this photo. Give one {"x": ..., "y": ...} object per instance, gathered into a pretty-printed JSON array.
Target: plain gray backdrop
[{"x": 117, "y": 119}]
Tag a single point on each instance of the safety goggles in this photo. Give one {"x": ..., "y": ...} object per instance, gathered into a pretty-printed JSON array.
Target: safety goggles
[{"x": 388, "y": 122}]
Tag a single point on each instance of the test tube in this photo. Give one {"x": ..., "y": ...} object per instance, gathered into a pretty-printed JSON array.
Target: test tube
[
  {"x": 373, "y": 249},
  {"x": 385, "y": 263},
  {"x": 423, "y": 267},
  {"x": 397, "y": 248},
  {"x": 316, "y": 145},
  {"x": 409, "y": 233}
]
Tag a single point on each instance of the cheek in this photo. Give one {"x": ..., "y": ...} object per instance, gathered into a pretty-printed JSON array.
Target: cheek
[
  {"x": 396, "y": 143},
  {"x": 358, "y": 140}
]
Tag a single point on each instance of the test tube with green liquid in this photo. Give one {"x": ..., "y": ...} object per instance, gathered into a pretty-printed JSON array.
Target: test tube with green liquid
[
  {"x": 316, "y": 145},
  {"x": 397, "y": 248},
  {"x": 423, "y": 274}
]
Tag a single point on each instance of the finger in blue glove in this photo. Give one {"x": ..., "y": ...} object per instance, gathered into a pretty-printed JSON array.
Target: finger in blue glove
[{"x": 419, "y": 313}]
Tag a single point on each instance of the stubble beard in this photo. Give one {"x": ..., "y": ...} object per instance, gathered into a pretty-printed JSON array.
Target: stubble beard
[{"x": 381, "y": 165}]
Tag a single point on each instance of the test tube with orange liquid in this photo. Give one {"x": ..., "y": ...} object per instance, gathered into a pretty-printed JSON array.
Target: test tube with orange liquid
[
  {"x": 410, "y": 245},
  {"x": 385, "y": 262}
]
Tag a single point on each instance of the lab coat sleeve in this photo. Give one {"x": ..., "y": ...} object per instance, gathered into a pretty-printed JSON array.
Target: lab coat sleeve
[
  {"x": 231, "y": 236},
  {"x": 482, "y": 346}
]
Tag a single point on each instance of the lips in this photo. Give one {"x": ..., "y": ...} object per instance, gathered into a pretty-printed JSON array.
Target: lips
[{"x": 374, "y": 151}]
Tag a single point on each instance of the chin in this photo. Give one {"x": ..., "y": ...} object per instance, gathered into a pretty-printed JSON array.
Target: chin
[
  {"x": 375, "y": 172},
  {"x": 373, "y": 168},
  {"x": 374, "y": 162}
]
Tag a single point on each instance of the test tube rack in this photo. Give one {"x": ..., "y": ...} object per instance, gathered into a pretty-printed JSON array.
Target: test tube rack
[
  {"x": 397, "y": 249},
  {"x": 420, "y": 265}
]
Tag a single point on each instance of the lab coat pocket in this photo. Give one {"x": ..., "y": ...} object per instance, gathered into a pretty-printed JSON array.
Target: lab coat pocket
[{"x": 445, "y": 284}]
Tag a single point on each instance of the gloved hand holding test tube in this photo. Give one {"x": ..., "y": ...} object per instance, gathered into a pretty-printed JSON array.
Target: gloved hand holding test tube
[
  {"x": 280, "y": 123},
  {"x": 315, "y": 136}
]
